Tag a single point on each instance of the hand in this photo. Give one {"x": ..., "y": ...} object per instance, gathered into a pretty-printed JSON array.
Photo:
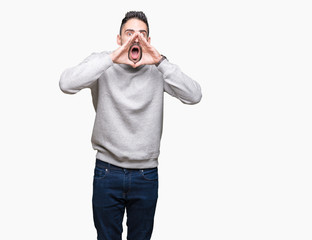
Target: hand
[
  {"x": 120, "y": 55},
  {"x": 150, "y": 54}
]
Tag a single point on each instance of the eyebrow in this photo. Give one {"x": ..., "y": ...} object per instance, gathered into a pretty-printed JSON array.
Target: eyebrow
[{"x": 131, "y": 30}]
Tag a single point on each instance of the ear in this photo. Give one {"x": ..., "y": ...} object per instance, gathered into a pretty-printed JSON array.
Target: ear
[{"x": 119, "y": 40}]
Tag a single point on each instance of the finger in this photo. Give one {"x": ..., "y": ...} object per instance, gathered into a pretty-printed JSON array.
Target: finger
[
  {"x": 129, "y": 42},
  {"x": 143, "y": 40},
  {"x": 136, "y": 35},
  {"x": 132, "y": 64},
  {"x": 138, "y": 64}
]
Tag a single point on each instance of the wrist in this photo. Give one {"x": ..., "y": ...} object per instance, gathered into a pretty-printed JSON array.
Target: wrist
[
  {"x": 162, "y": 58},
  {"x": 158, "y": 59},
  {"x": 113, "y": 57}
]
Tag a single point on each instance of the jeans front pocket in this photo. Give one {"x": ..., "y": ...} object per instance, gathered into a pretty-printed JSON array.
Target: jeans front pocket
[
  {"x": 150, "y": 174},
  {"x": 100, "y": 173}
]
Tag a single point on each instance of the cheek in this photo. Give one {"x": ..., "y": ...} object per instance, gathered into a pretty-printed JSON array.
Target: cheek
[{"x": 124, "y": 39}]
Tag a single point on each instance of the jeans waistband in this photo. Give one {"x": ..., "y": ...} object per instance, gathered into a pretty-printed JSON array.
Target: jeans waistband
[{"x": 101, "y": 164}]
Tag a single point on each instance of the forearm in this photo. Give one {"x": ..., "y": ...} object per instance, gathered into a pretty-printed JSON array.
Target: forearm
[
  {"x": 85, "y": 74},
  {"x": 178, "y": 84}
]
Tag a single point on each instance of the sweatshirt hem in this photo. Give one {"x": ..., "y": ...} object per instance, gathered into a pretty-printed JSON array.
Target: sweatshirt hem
[{"x": 127, "y": 163}]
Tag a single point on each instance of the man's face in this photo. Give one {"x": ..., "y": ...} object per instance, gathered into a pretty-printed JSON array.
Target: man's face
[{"x": 132, "y": 26}]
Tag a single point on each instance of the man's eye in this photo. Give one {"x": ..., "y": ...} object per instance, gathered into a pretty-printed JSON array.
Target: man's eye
[{"x": 130, "y": 33}]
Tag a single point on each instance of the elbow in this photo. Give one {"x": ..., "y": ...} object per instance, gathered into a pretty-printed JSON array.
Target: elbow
[
  {"x": 196, "y": 94},
  {"x": 196, "y": 98},
  {"x": 65, "y": 88},
  {"x": 64, "y": 84}
]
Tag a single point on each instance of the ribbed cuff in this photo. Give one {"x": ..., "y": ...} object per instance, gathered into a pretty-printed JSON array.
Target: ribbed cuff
[{"x": 164, "y": 66}]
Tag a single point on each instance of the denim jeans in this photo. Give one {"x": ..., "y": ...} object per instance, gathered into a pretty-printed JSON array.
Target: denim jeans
[{"x": 118, "y": 189}]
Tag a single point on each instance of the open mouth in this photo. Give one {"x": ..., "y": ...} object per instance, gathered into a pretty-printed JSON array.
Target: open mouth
[{"x": 135, "y": 53}]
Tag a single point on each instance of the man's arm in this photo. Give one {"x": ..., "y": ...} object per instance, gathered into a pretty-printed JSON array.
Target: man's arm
[
  {"x": 86, "y": 73},
  {"x": 178, "y": 84}
]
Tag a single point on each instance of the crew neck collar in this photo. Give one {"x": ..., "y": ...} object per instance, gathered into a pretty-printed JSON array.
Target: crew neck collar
[{"x": 129, "y": 68}]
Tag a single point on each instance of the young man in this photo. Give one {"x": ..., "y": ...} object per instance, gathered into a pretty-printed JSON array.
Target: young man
[{"x": 127, "y": 87}]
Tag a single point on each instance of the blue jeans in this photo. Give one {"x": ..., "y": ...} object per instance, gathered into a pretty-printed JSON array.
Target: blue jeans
[{"x": 117, "y": 189}]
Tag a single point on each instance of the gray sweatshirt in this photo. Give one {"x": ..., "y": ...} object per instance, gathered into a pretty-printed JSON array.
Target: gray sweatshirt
[{"x": 129, "y": 106}]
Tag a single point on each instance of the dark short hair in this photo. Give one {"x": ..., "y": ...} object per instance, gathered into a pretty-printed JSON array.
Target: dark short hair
[{"x": 134, "y": 14}]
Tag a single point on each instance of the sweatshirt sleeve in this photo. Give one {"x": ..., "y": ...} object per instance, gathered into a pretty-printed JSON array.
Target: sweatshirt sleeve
[
  {"x": 178, "y": 84},
  {"x": 86, "y": 73}
]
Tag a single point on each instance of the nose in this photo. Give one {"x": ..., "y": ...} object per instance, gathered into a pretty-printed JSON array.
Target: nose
[{"x": 136, "y": 40}]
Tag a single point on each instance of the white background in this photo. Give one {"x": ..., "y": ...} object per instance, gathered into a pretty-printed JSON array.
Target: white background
[{"x": 235, "y": 166}]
